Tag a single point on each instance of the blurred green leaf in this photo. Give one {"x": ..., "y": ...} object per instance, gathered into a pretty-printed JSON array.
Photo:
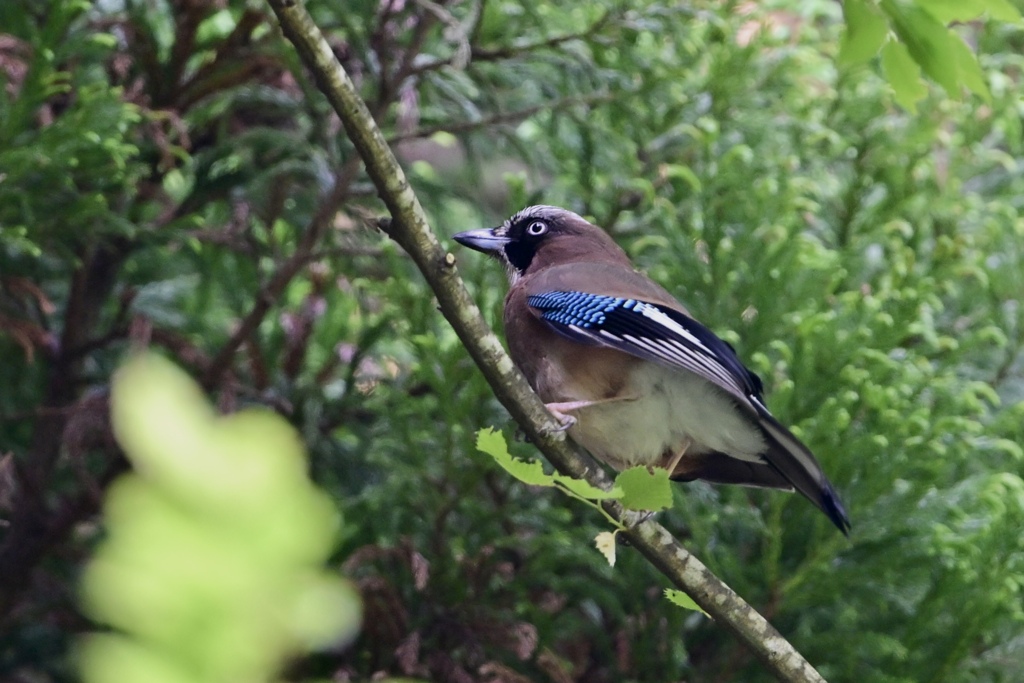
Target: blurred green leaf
[
  {"x": 903, "y": 74},
  {"x": 969, "y": 70},
  {"x": 210, "y": 567},
  {"x": 928, "y": 42},
  {"x": 864, "y": 34},
  {"x": 948, "y": 11}
]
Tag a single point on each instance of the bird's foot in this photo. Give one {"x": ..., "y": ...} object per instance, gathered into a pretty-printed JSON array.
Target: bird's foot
[
  {"x": 640, "y": 518},
  {"x": 564, "y": 419},
  {"x": 648, "y": 515},
  {"x": 561, "y": 409}
]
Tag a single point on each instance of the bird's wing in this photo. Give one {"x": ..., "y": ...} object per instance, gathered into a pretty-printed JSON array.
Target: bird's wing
[
  {"x": 650, "y": 331},
  {"x": 665, "y": 335}
]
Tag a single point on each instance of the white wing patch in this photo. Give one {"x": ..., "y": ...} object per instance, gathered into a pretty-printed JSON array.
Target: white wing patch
[
  {"x": 658, "y": 316},
  {"x": 674, "y": 351}
]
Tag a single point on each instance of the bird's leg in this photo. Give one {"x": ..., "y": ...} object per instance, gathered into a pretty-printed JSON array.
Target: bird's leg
[
  {"x": 674, "y": 462},
  {"x": 561, "y": 409}
]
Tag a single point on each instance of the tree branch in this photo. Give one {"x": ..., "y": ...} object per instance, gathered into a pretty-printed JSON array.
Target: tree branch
[
  {"x": 408, "y": 227},
  {"x": 274, "y": 288},
  {"x": 28, "y": 536}
]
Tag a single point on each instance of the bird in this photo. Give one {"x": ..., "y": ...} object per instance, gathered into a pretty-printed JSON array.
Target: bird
[{"x": 629, "y": 373}]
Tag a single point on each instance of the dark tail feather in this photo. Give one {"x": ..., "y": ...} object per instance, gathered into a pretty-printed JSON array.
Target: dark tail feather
[
  {"x": 719, "y": 468},
  {"x": 795, "y": 462}
]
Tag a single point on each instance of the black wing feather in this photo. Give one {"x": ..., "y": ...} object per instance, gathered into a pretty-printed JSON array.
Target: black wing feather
[{"x": 652, "y": 332}]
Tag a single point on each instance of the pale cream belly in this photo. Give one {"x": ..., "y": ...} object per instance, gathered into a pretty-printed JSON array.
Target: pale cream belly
[{"x": 665, "y": 412}]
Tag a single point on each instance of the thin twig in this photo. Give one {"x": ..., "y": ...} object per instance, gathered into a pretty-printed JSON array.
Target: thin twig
[
  {"x": 481, "y": 54},
  {"x": 500, "y": 118}
]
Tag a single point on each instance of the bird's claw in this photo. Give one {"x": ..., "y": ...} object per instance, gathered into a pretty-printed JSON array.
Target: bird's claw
[
  {"x": 639, "y": 518},
  {"x": 565, "y": 422}
]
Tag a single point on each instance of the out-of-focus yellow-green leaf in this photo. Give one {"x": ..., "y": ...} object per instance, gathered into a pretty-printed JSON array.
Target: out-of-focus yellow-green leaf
[
  {"x": 948, "y": 11},
  {"x": 105, "y": 658},
  {"x": 864, "y": 34},
  {"x": 904, "y": 75},
  {"x": 214, "y": 544}
]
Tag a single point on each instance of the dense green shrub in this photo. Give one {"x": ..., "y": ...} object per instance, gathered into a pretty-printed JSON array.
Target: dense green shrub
[{"x": 170, "y": 176}]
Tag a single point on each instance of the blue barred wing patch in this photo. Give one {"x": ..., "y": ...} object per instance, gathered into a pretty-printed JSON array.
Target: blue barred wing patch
[
  {"x": 578, "y": 308},
  {"x": 649, "y": 331}
]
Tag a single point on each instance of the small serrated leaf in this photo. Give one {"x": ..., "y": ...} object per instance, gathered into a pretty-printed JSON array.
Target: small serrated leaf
[
  {"x": 605, "y": 542},
  {"x": 644, "y": 489},
  {"x": 492, "y": 442},
  {"x": 585, "y": 489},
  {"x": 681, "y": 599}
]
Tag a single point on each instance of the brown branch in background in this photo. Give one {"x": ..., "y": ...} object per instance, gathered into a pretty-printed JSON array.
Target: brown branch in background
[
  {"x": 306, "y": 251},
  {"x": 500, "y": 118},
  {"x": 274, "y": 288},
  {"x": 31, "y": 525},
  {"x": 409, "y": 228},
  {"x": 298, "y": 324},
  {"x": 390, "y": 83},
  {"x": 186, "y": 25},
  {"x": 182, "y": 348},
  {"x": 507, "y": 52}
]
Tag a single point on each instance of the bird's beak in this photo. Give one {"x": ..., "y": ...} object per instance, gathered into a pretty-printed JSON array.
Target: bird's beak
[{"x": 484, "y": 240}]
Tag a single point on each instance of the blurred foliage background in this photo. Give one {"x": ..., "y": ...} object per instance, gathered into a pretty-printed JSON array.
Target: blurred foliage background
[{"x": 169, "y": 177}]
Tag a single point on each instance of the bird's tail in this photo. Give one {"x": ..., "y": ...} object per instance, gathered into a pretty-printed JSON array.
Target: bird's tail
[{"x": 797, "y": 465}]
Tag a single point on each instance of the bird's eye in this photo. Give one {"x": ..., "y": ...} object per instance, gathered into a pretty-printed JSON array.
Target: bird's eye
[{"x": 537, "y": 228}]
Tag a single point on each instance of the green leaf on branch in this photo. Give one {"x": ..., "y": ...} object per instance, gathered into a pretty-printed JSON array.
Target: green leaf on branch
[
  {"x": 681, "y": 599},
  {"x": 492, "y": 442},
  {"x": 971, "y": 74},
  {"x": 645, "y": 489},
  {"x": 927, "y": 41}
]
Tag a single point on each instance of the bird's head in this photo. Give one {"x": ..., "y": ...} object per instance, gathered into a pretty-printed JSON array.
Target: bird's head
[{"x": 540, "y": 236}]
